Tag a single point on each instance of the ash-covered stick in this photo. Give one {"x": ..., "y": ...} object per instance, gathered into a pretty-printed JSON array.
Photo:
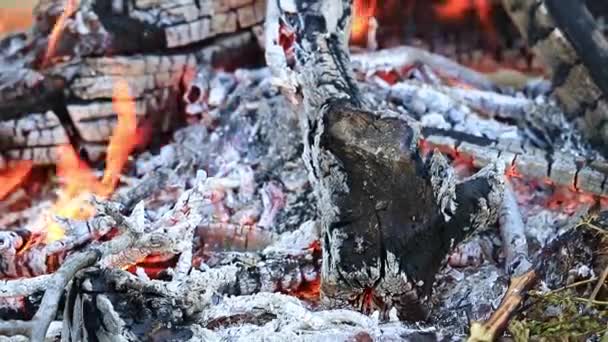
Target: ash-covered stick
[
  {"x": 23, "y": 287},
  {"x": 512, "y": 232},
  {"x": 289, "y": 266},
  {"x": 151, "y": 182},
  {"x": 133, "y": 243},
  {"x": 518, "y": 266},
  {"x": 404, "y": 56}
]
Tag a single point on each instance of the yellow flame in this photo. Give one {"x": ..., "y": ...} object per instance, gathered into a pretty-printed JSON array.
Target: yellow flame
[
  {"x": 79, "y": 180},
  {"x": 70, "y": 8}
]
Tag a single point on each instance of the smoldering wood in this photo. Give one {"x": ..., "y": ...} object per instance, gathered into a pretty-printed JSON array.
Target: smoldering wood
[
  {"x": 134, "y": 242},
  {"x": 175, "y": 306},
  {"x": 154, "y": 46},
  {"x": 367, "y": 171},
  {"x": 255, "y": 112},
  {"x": 561, "y": 169},
  {"x": 407, "y": 56},
  {"x": 573, "y": 50},
  {"x": 34, "y": 261}
]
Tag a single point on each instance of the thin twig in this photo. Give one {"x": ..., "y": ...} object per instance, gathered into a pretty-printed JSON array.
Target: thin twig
[
  {"x": 573, "y": 285},
  {"x": 512, "y": 234},
  {"x": 598, "y": 286},
  {"x": 488, "y": 331}
]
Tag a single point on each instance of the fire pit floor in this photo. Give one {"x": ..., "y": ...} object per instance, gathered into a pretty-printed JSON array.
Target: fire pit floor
[{"x": 384, "y": 195}]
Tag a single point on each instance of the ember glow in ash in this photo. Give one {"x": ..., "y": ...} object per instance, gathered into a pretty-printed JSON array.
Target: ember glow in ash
[{"x": 365, "y": 192}]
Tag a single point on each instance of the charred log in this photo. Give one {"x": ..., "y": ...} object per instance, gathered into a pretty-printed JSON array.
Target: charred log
[{"x": 388, "y": 216}]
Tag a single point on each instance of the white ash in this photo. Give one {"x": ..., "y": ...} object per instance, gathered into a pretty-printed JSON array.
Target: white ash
[
  {"x": 468, "y": 294},
  {"x": 284, "y": 318},
  {"x": 297, "y": 240},
  {"x": 251, "y": 135}
]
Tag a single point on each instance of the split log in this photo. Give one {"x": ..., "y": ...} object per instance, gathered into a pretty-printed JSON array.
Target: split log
[
  {"x": 155, "y": 46},
  {"x": 388, "y": 216},
  {"x": 575, "y": 49}
]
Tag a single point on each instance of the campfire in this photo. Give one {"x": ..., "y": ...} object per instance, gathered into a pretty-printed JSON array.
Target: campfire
[{"x": 209, "y": 170}]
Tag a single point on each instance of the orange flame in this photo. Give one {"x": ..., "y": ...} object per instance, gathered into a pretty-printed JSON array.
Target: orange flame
[
  {"x": 14, "y": 19},
  {"x": 363, "y": 10},
  {"x": 456, "y": 10},
  {"x": 125, "y": 137},
  {"x": 80, "y": 181},
  {"x": 11, "y": 177},
  {"x": 57, "y": 30}
]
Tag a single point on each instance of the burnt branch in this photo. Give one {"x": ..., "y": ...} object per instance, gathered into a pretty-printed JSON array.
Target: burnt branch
[{"x": 36, "y": 328}]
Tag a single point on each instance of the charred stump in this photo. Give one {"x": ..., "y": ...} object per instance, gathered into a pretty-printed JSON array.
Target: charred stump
[{"x": 389, "y": 216}]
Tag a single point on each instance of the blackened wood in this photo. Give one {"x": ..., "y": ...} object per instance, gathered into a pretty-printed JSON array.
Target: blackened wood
[
  {"x": 395, "y": 224},
  {"x": 388, "y": 217}
]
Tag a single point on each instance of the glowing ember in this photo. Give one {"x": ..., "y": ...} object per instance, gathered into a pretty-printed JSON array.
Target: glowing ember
[
  {"x": 363, "y": 10},
  {"x": 457, "y": 10},
  {"x": 11, "y": 177},
  {"x": 70, "y": 7},
  {"x": 79, "y": 180}
]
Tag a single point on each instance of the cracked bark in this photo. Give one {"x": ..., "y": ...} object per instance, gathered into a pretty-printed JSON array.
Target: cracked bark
[{"x": 389, "y": 216}]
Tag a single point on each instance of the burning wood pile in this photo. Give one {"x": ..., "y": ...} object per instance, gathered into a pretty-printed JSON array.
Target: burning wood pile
[{"x": 270, "y": 170}]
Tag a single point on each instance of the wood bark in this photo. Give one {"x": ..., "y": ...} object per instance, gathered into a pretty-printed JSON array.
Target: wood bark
[
  {"x": 575, "y": 49},
  {"x": 388, "y": 216},
  {"x": 53, "y": 94}
]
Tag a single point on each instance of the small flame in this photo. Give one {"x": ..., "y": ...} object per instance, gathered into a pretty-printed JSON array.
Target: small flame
[
  {"x": 80, "y": 181},
  {"x": 124, "y": 140},
  {"x": 363, "y": 10},
  {"x": 457, "y": 10},
  {"x": 11, "y": 177},
  {"x": 70, "y": 8}
]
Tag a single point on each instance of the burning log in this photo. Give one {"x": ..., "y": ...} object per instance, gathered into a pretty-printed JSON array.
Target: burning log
[
  {"x": 59, "y": 76},
  {"x": 576, "y": 52},
  {"x": 388, "y": 216}
]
